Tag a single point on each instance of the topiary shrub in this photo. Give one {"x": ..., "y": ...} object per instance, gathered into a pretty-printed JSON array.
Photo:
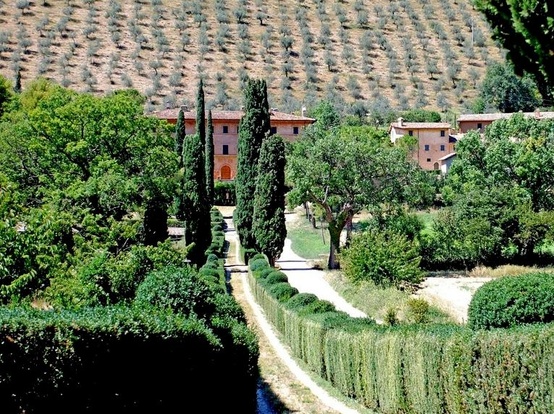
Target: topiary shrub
[
  {"x": 299, "y": 301},
  {"x": 265, "y": 272},
  {"x": 258, "y": 256},
  {"x": 258, "y": 264},
  {"x": 282, "y": 291},
  {"x": 513, "y": 300},
  {"x": 318, "y": 306},
  {"x": 275, "y": 277}
]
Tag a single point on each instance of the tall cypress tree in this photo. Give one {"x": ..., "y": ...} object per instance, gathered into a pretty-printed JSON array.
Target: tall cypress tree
[
  {"x": 201, "y": 113},
  {"x": 180, "y": 136},
  {"x": 253, "y": 128},
  {"x": 179, "y": 140},
  {"x": 209, "y": 154},
  {"x": 269, "y": 199},
  {"x": 196, "y": 206}
]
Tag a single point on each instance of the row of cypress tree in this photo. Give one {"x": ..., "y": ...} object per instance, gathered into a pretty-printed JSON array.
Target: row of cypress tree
[
  {"x": 196, "y": 162},
  {"x": 260, "y": 180}
]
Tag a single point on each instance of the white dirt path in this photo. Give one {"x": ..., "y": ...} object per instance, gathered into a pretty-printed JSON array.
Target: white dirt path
[{"x": 298, "y": 268}]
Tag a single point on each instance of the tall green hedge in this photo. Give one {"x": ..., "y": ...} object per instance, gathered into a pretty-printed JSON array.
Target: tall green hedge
[{"x": 431, "y": 369}]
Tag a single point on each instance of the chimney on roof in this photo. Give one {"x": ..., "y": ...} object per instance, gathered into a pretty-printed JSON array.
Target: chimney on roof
[
  {"x": 400, "y": 122},
  {"x": 303, "y": 110},
  {"x": 184, "y": 108}
]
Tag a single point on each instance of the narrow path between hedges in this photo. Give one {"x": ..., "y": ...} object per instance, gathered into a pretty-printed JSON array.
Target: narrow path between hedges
[{"x": 306, "y": 281}]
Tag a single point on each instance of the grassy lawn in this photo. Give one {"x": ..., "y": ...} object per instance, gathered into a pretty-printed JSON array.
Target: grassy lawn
[{"x": 308, "y": 242}]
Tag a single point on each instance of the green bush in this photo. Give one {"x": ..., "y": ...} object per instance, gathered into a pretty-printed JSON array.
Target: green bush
[
  {"x": 275, "y": 277},
  {"x": 282, "y": 291},
  {"x": 258, "y": 264},
  {"x": 177, "y": 288},
  {"x": 513, "y": 300},
  {"x": 317, "y": 306},
  {"x": 387, "y": 258},
  {"x": 299, "y": 301},
  {"x": 418, "y": 310},
  {"x": 265, "y": 272}
]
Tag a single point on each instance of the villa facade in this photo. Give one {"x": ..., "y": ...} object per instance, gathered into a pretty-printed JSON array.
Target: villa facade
[{"x": 226, "y": 129}]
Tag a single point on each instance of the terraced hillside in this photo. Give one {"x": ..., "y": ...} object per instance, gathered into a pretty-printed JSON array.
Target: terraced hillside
[{"x": 410, "y": 53}]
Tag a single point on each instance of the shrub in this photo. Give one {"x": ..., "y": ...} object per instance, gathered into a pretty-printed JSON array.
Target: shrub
[
  {"x": 177, "y": 288},
  {"x": 259, "y": 256},
  {"x": 513, "y": 300},
  {"x": 265, "y": 272},
  {"x": 282, "y": 291},
  {"x": 275, "y": 277},
  {"x": 418, "y": 310},
  {"x": 387, "y": 258},
  {"x": 258, "y": 264},
  {"x": 299, "y": 301},
  {"x": 317, "y": 306}
]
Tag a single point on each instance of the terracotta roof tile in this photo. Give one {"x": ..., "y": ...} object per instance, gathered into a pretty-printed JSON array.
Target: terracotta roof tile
[
  {"x": 499, "y": 115},
  {"x": 421, "y": 125},
  {"x": 173, "y": 113}
]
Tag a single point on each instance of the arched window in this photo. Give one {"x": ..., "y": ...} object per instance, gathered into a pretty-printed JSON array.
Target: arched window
[
  {"x": 225, "y": 172},
  {"x": 436, "y": 166}
]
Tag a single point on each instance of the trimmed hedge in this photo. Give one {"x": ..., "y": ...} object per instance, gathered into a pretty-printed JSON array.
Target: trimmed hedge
[
  {"x": 122, "y": 359},
  {"x": 513, "y": 300},
  {"x": 419, "y": 369}
]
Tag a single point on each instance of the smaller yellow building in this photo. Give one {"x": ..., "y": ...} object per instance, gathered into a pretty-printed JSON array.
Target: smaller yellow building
[{"x": 434, "y": 141}]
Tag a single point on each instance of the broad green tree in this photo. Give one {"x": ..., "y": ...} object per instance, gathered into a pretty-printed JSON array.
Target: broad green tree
[
  {"x": 253, "y": 128},
  {"x": 209, "y": 154},
  {"x": 93, "y": 176},
  {"x": 500, "y": 193},
  {"x": 350, "y": 169},
  {"x": 269, "y": 225},
  {"x": 504, "y": 91},
  {"x": 526, "y": 29}
]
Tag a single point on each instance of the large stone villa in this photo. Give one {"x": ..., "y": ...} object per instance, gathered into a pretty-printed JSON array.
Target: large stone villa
[{"x": 226, "y": 128}]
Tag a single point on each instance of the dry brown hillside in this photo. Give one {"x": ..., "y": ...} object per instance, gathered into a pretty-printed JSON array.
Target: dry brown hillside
[{"x": 413, "y": 53}]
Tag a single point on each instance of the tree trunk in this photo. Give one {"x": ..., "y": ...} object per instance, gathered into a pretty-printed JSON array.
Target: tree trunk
[{"x": 334, "y": 246}]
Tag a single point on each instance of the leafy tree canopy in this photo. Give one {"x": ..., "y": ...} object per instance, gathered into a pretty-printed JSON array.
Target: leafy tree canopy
[
  {"x": 504, "y": 91},
  {"x": 349, "y": 169},
  {"x": 526, "y": 30}
]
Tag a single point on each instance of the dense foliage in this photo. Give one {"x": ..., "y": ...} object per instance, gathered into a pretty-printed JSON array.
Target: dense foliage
[
  {"x": 209, "y": 155},
  {"x": 498, "y": 195},
  {"x": 85, "y": 179},
  {"x": 196, "y": 204},
  {"x": 513, "y": 300},
  {"x": 502, "y": 90},
  {"x": 253, "y": 128},
  {"x": 180, "y": 135},
  {"x": 525, "y": 29},
  {"x": 345, "y": 169},
  {"x": 386, "y": 258}
]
